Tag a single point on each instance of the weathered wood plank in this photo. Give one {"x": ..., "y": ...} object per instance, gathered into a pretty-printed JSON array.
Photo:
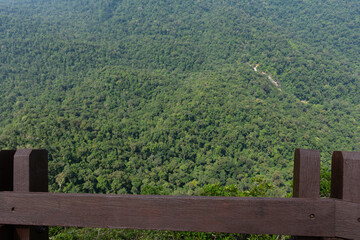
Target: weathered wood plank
[
  {"x": 30, "y": 175},
  {"x": 305, "y": 217},
  {"x": 345, "y": 180},
  {"x": 306, "y": 181},
  {"x": 30, "y": 170},
  {"x": 345, "y": 176},
  {"x": 347, "y": 220},
  {"x": 306, "y": 173}
]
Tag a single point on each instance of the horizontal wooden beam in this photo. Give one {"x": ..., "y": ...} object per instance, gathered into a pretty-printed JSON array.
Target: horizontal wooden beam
[
  {"x": 290, "y": 216},
  {"x": 347, "y": 220}
]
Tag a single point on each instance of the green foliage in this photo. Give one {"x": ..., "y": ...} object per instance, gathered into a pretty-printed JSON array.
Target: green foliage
[
  {"x": 218, "y": 190},
  {"x": 161, "y": 97},
  {"x": 260, "y": 188},
  {"x": 150, "y": 97},
  {"x": 85, "y": 234},
  {"x": 325, "y": 182}
]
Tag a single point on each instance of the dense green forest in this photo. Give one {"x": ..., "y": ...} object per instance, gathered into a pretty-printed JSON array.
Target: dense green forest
[{"x": 162, "y": 97}]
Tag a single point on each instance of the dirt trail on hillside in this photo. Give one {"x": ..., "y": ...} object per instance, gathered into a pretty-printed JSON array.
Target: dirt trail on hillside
[{"x": 276, "y": 83}]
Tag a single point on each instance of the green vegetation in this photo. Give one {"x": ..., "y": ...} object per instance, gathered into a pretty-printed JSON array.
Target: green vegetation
[{"x": 161, "y": 97}]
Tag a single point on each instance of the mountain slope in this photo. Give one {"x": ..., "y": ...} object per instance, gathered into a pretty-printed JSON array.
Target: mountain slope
[{"x": 162, "y": 95}]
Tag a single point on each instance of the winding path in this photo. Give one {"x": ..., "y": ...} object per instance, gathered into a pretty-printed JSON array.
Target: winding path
[{"x": 276, "y": 83}]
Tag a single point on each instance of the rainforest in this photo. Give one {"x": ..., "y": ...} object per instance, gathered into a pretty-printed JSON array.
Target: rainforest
[{"x": 178, "y": 97}]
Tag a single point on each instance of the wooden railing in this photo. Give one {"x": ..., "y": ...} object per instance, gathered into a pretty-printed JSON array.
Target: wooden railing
[{"x": 26, "y": 208}]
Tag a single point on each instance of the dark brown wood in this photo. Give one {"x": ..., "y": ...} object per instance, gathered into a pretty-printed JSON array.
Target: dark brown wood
[
  {"x": 306, "y": 181},
  {"x": 345, "y": 180},
  {"x": 22, "y": 233},
  {"x": 6, "y": 170},
  {"x": 347, "y": 220},
  {"x": 6, "y": 184},
  {"x": 305, "y": 217},
  {"x": 30, "y": 175},
  {"x": 6, "y": 232},
  {"x": 345, "y": 176},
  {"x": 30, "y": 171}
]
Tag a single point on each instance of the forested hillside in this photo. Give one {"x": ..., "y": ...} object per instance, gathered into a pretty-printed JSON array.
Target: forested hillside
[{"x": 161, "y": 97}]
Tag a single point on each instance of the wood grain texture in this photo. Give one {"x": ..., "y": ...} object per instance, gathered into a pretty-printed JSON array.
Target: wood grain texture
[
  {"x": 345, "y": 185},
  {"x": 306, "y": 182},
  {"x": 345, "y": 176},
  {"x": 347, "y": 220},
  {"x": 30, "y": 175},
  {"x": 291, "y": 216},
  {"x": 22, "y": 233},
  {"x": 30, "y": 170}
]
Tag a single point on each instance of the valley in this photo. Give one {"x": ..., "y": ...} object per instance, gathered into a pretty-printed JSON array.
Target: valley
[{"x": 157, "y": 97}]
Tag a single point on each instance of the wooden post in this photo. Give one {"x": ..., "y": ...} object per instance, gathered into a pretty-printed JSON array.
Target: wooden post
[
  {"x": 6, "y": 232},
  {"x": 30, "y": 175},
  {"x": 6, "y": 169},
  {"x": 345, "y": 176},
  {"x": 6, "y": 184},
  {"x": 345, "y": 185},
  {"x": 306, "y": 182}
]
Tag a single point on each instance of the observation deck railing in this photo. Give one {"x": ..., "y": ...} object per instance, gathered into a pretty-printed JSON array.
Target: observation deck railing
[{"x": 26, "y": 207}]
